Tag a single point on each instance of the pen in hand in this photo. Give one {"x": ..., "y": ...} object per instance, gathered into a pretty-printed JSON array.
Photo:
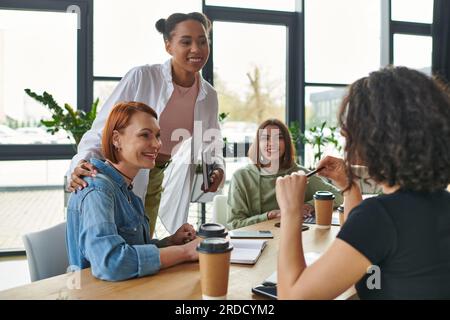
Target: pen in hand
[{"x": 314, "y": 171}]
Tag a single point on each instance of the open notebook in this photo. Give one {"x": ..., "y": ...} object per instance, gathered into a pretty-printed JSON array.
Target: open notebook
[{"x": 247, "y": 251}]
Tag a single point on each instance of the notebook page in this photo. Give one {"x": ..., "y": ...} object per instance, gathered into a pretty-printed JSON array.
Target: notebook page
[
  {"x": 246, "y": 251},
  {"x": 242, "y": 255},
  {"x": 249, "y": 243}
]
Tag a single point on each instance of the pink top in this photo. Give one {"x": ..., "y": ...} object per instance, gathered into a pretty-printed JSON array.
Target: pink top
[{"x": 178, "y": 114}]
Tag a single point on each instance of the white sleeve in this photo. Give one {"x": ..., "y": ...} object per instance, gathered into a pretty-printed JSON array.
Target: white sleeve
[{"x": 90, "y": 144}]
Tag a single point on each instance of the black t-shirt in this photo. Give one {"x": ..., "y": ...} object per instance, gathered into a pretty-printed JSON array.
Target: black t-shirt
[{"x": 407, "y": 235}]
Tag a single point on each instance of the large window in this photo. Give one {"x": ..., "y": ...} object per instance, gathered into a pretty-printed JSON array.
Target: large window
[
  {"x": 342, "y": 40},
  {"x": 34, "y": 48},
  {"x": 322, "y": 104},
  {"x": 249, "y": 76},
  {"x": 342, "y": 44},
  {"x": 404, "y": 44},
  {"x": 410, "y": 29},
  {"x": 103, "y": 89},
  {"x": 31, "y": 197},
  {"x": 346, "y": 40},
  {"x": 44, "y": 46},
  {"x": 412, "y": 10}
]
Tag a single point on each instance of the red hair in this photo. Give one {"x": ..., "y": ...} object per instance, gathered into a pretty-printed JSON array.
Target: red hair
[{"x": 118, "y": 119}]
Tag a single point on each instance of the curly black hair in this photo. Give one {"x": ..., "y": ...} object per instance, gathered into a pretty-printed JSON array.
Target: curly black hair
[{"x": 397, "y": 122}]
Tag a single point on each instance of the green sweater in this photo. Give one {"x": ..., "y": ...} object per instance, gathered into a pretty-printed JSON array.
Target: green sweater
[{"x": 252, "y": 194}]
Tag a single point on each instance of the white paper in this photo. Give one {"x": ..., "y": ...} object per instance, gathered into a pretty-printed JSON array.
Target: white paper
[
  {"x": 310, "y": 258},
  {"x": 246, "y": 251}
]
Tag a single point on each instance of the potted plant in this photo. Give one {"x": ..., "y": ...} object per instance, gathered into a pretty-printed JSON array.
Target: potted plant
[
  {"x": 319, "y": 137},
  {"x": 76, "y": 123},
  {"x": 66, "y": 118}
]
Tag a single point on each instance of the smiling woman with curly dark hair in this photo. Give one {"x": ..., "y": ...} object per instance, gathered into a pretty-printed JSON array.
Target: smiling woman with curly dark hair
[{"x": 396, "y": 122}]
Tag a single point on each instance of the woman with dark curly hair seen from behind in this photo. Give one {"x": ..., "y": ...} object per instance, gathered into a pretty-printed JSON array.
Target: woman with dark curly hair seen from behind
[{"x": 396, "y": 121}]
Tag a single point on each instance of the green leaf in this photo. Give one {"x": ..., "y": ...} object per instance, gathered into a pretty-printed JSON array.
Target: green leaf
[
  {"x": 74, "y": 122},
  {"x": 223, "y": 116},
  {"x": 93, "y": 112},
  {"x": 48, "y": 123}
]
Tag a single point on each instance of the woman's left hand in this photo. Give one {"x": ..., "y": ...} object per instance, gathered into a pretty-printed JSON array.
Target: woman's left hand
[
  {"x": 216, "y": 180},
  {"x": 184, "y": 234}
]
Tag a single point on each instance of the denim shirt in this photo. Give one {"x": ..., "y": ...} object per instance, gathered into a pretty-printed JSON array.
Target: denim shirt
[{"x": 107, "y": 229}]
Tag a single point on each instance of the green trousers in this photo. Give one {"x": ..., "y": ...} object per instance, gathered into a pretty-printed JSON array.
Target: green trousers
[{"x": 153, "y": 197}]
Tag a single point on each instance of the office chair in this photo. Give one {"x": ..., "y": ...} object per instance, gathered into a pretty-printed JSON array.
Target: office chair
[
  {"x": 220, "y": 209},
  {"x": 46, "y": 252}
]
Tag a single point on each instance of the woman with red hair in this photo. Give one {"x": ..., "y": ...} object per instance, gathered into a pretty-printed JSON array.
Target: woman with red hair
[{"x": 107, "y": 229}]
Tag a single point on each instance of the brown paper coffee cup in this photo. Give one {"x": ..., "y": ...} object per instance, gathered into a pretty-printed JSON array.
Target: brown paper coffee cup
[
  {"x": 323, "y": 203},
  {"x": 214, "y": 269},
  {"x": 214, "y": 258},
  {"x": 211, "y": 230}
]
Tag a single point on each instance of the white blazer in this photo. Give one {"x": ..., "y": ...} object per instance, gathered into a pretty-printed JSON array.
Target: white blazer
[{"x": 152, "y": 85}]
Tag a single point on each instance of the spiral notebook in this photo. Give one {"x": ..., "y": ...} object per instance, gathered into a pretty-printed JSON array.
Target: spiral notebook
[{"x": 247, "y": 251}]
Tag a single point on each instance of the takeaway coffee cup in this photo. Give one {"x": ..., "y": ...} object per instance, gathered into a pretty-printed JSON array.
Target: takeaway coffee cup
[
  {"x": 214, "y": 257},
  {"x": 323, "y": 203},
  {"x": 212, "y": 230}
]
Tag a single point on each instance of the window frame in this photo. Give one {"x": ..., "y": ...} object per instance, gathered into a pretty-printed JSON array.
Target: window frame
[
  {"x": 407, "y": 28},
  {"x": 294, "y": 23},
  {"x": 322, "y": 84},
  {"x": 389, "y": 27},
  {"x": 84, "y": 74}
]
